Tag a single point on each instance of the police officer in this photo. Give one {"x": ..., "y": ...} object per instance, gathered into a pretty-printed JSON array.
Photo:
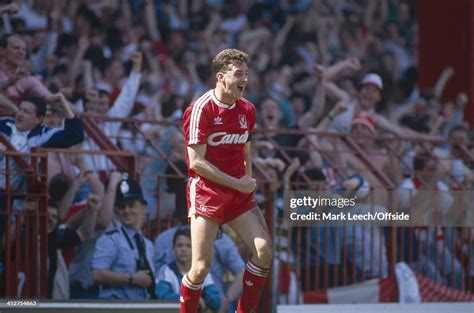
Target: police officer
[{"x": 123, "y": 258}]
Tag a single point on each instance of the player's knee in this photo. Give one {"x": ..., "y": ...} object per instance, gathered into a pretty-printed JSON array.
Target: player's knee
[
  {"x": 264, "y": 251},
  {"x": 200, "y": 270}
]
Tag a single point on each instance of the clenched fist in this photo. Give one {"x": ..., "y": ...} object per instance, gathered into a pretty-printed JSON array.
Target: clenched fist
[
  {"x": 246, "y": 184},
  {"x": 136, "y": 58},
  {"x": 94, "y": 202}
]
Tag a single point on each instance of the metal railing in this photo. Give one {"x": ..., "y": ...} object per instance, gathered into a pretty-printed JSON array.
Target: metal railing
[
  {"x": 322, "y": 268},
  {"x": 24, "y": 233}
]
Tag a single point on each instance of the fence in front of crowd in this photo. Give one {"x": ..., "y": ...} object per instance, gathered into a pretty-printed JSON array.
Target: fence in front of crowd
[
  {"x": 389, "y": 244},
  {"x": 23, "y": 233},
  {"x": 309, "y": 261},
  {"x": 24, "y": 241}
]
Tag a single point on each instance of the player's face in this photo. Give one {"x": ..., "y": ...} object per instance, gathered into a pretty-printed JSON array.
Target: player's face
[
  {"x": 235, "y": 80},
  {"x": 132, "y": 214},
  {"x": 182, "y": 249}
]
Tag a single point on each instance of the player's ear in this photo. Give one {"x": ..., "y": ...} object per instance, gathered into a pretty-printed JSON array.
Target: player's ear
[{"x": 220, "y": 76}]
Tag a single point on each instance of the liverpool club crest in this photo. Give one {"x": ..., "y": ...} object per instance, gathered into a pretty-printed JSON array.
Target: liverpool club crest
[{"x": 243, "y": 121}]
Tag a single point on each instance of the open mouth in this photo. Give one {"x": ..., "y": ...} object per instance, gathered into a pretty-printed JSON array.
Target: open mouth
[{"x": 240, "y": 88}]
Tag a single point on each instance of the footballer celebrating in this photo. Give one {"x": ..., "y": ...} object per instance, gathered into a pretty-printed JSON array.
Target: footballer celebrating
[{"x": 220, "y": 190}]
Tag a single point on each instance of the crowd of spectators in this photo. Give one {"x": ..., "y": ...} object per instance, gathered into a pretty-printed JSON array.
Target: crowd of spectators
[{"x": 347, "y": 66}]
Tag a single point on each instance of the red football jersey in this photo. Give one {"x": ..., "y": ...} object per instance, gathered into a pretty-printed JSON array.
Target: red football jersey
[{"x": 225, "y": 129}]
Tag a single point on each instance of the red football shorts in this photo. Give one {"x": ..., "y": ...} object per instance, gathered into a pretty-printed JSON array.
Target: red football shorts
[{"x": 216, "y": 202}]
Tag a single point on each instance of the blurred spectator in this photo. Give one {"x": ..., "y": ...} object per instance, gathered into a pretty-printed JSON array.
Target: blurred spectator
[
  {"x": 168, "y": 281},
  {"x": 26, "y": 132},
  {"x": 363, "y": 132},
  {"x": 369, "y": 95},
  {"x": 177, "y": 186},
  {"x": 63, "y": 236},
  {"x": 428, "y": 199},
  {"x": 15, "y": 81},
  {"x": 97, "y": 102},
  {"x": 365, "y": 244},
  {"x": 71, "y": 194},
  {"x": 316, "y": 247},
  {"x": 112, "y": 72},
  {"x": 272, "y": 120},
  {"x": 452, "y": 156},
  {"x": 170, "y": 141},
  {"x": 284, "y": 262},
  {"x": 82, "y": 285},
  {"x": 226, "y": 259}
]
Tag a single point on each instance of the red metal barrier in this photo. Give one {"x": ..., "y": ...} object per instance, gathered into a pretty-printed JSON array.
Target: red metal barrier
[
  {"x": 104, "y": 143},
  {"x": 322, "y": 275},
  {"x": 25, "y": 239},
  {"x": 128, "y": 160}
]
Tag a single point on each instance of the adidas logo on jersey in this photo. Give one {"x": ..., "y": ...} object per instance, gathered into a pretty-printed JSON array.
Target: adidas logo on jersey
[
  {"x": 221, "y": 138},
  {"x": 249, "y": 283},
  {"x": 218, "y": 120}
]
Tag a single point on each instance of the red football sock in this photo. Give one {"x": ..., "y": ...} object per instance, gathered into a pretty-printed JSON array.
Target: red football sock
[
  {"x": 189, "y": 295},
  {"x": 253, "y": 282}
]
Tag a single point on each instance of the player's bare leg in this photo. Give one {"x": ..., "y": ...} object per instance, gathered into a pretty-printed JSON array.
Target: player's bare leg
[
  {"x": 252, "y": 229},
  {"x": 203, "y": 234}
]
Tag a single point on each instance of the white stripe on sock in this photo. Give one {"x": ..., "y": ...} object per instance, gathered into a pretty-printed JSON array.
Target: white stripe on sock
[{"x": 187, "y": 282}]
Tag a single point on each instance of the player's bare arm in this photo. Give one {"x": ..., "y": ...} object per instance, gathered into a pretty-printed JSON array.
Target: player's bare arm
[{"x": 200, "y": 165}]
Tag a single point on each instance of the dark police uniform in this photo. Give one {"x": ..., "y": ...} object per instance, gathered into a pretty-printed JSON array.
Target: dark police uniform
[{"x": 123, "y": 250}]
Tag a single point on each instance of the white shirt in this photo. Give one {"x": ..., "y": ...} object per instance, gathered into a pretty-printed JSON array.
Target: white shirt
[
  {"x": 121, "y": 108},
  {"x": 407, "y": 190}
]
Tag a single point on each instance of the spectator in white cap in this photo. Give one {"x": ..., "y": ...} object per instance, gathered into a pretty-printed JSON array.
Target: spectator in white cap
[
  {"x": 371, "y": 91},
  {"x": 369, "y": 95}
]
